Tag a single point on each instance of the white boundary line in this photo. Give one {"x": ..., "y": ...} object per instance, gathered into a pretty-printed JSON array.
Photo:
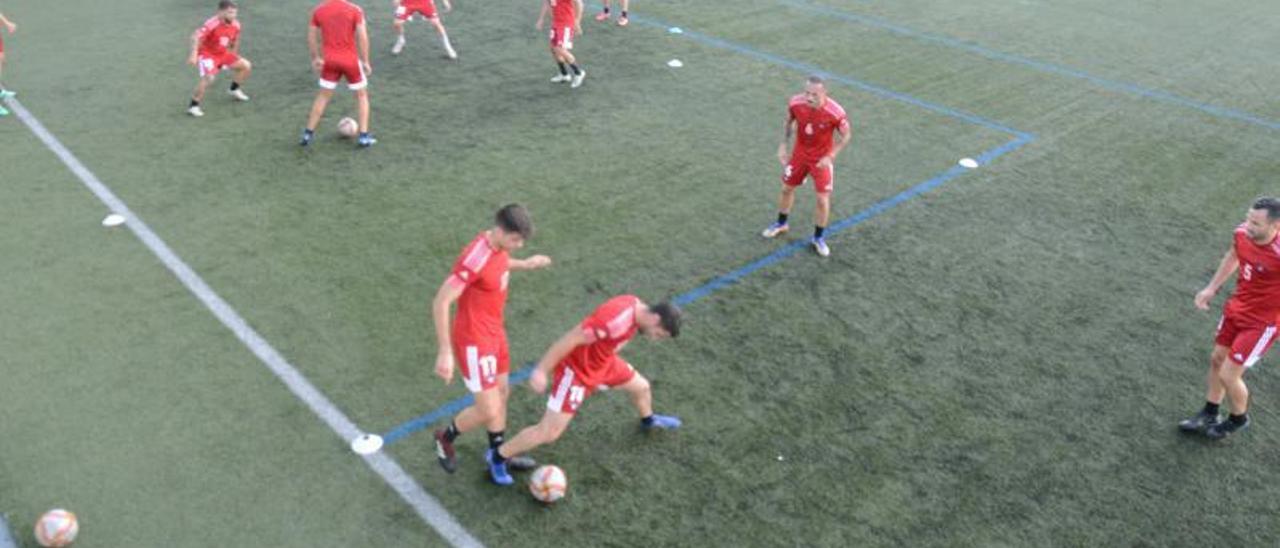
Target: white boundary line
[{"x": 423, "y": 503}]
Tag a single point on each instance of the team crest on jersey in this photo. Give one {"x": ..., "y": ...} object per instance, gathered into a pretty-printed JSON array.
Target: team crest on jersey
[
  {"x": 225, "y": 41},
  {"x": 808, "y": 129}
]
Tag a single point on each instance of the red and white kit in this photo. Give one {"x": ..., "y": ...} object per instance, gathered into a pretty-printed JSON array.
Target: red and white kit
[
  {"x": 216, "y": 37},
  {"x": 596, "y": 364},
  {"x": 337, "y": 21},
  {"x": 478, "y": 335},
  {"x": 814, "y": 129},
  {"x": 1248, "y": 324}
]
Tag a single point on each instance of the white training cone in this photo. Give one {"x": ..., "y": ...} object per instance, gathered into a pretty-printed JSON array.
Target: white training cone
[
  {"x": 675, "y": 63},
  {"x": 675, "y": 30},
  {"x": 366, "y": 444},
  {"x": 968, "y": 163},
  {"x": 113, "y": 219}
]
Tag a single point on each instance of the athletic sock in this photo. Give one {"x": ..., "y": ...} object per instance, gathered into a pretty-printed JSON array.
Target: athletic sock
[
  {"x": 1238, "y": 419},
  {"x": 495, "y": 440},
  {"x": 782, "y": 218},
  {"x": 576, "y": 70},
  {"x": 194, "y": 103},
  {"x": 647, "y": 421},
  {"x": 451, "y": 433},
  {"x": 818, "y": 230},
  {"x": 235, "y": 86},
  {"x": 606, "y": 10},
  {"x": 624, "y": 14},
  {"x": 564, "y": 71},
  {"x": 1210, "y": 408}
]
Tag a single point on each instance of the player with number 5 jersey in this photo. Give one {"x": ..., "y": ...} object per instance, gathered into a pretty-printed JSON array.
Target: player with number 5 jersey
[
  {"x": 586, "y": 359},
  {"x": 477, "y": 338}
]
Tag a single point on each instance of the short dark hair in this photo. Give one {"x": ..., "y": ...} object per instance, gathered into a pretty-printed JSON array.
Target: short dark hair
[
  {"x": 1270, "y": 205},
  {"x": 225, "y": 4},
  {"x": 515, "y": 218},
  {"x": 815, "y": 79},
  {"x": 669, "y": 316}
]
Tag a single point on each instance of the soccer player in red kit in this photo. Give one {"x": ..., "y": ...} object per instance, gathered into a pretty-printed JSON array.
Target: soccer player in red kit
[
  {"x": 342, "y": 27},
  {"x": 1248, "y": 325},
  {"x": 586, "y": 359},
  {"x": 604, "y": 13},
  {"x": 4, "y": 93},
  {"x": 815, "y": 118},
  {"x": 566, "y": 23},
  {"x": 215, "y": 46},
  {"x": 406, "y": 9},
  {"x": 477, "y": 338}
]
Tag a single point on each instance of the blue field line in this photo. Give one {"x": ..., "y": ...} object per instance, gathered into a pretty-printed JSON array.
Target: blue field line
[
  {"x": 814, "y": 69},
  {"x": 1150, "y": 93},
  {"x": 449, "y": 409}
]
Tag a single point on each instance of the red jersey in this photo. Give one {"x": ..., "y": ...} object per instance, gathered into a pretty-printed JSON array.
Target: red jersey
[
  {"x": 482, "y": 270},
  {"x": 1257, "y": 295},
  {"x": 608, "y": 328},
  {"x": 814, "y": 127},
  {"x": 337, "y": 21},
  {"x": 216, "y": 36},
  {"x": 562, "y": 13}
]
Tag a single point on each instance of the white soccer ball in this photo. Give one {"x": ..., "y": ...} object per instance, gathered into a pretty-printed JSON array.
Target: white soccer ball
[
  {"x": 548, "y": 483},
  {"x": 57, "y": 527},
  {"x": 347, "y": 127}
]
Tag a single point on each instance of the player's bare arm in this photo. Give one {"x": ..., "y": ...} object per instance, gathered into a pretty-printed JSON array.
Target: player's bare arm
[
  {"x": 1226, "y": 269},
  {"x": 447, "y": 6},
  {"x": 559, "y": 350},
  {"x": 577, "y": 16},
  {"x": 195, "y": 47},
  {"x": 842, "y": 138},
  {"x": 542, "y": 14},
  {"x": 532, "y": 263},
  {"x": 786, "y": 138},
  {"x": 362, "y": 41},
  {"x": 8, "y": 24},
  {"x": 313, "y": 43},
  {"x": 449, "y": 292}
]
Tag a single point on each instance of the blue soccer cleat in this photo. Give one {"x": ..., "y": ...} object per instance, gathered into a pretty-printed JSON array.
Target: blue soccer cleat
[
  {"x": 498, "y": 470},
  {"x": 661, "y": 422},
  {"x": 307, "y": 137},
  {"x": 366, "y": 140}
]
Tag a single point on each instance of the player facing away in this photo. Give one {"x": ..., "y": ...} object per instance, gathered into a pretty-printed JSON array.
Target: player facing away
[
  {"x": 622, "y": 17},
  {"x": 815, "y": 118},
  {"x": 477, "y": 338},
  {"x": 1248, "y": 324},
  {"x": 215, "y": 47},
  {"x": 586, "y": 359},
  {"x": 566, "y": 23},
  {"x": 405, "y": 10},
  {"x": 337, "y": 30},
  {"x": 4, "y": 93}
]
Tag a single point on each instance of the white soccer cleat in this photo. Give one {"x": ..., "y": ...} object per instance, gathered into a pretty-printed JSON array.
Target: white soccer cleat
[
  {"x": 578, "y": 78},
  {"x": 561, "y": 79},
  {"x": 452, "y": 54},
  {"x": 239, "y": 95},
  {"x": 399, "y": 47},
  {"x": 195, "y": 111},
  {"x": 774, "y": 230},
  {"x": 820, "y": 247}
]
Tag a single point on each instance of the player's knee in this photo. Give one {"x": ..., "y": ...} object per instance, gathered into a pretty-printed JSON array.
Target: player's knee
[
  {"x": 246, "y": 65},
  {"x": 640, "y": 384}
]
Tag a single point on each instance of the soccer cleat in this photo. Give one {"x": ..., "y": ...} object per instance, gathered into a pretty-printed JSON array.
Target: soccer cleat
[
  {"x": 561, "y": 78},
  {"x": 820, "y": 247},
  {"x": 602, "y": 16},
  {"x": 662, "y": 422},
  {"x": 622, "y": 21},
  {"x": 4, "y": 112},
  {"x": 775, "y": 229},
  {"x": 448, "y": 52},
  {"x": 521, "y": 463},
  {"x": 195, "y": 111},
  {"x": 497, "y": 470},
  {"x": 444, "y": 452},
  {"x": 307, "y": 137},
  {"x": 399, "y": 47},
  {"x": 238, "y": 94},
  {"x": 1225, "y": 428},
  {"x": 6, "y": 94},
  {"x": 366, "y": 140},
  {"x": 1199, "y": 423},
  {"x": 578, "y": 78}
]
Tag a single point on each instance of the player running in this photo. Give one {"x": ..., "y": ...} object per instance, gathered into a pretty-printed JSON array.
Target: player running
[
  {"x": 4, "y": 93},
  {"x": 477, "y": 336},
  {"x": 604, "y": 12},
  {"x": 586, "y": 359},
  {"x": 405, "y": 9},
  {"x": 342, "y": 27},
  {"x": 566, "y": 23},
  {"x": 1248, "y": 324},
  {"x": 215, "y": 46},
  {"x": 815, "y": 117}
]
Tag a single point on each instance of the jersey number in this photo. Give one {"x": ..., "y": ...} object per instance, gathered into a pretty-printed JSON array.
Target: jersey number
[
  {"x": 576, "y": 395},
  {"x": 488, "y": 366},
  {"x": 1247, "y": 273}
]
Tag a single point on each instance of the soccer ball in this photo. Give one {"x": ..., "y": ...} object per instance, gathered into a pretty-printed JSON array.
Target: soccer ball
[
  {"x": 548, "y": 483},
  {"x": 347, "y": 127},
  {"x": 57, "y": 527}
]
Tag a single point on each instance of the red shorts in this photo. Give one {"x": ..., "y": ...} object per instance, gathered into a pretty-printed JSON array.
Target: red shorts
[
  {"x": 210, "y": 65},
  {"x": 337, "y": 69},
  {"x": 562, "y": 36},
  {"x": 482, "y": 361},
  {"x": 568, "y": 392},
  {"x": 1247, "y": 341},
  {"x": 797, "y": 170},
  {"x": 406, "y": 9}
]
